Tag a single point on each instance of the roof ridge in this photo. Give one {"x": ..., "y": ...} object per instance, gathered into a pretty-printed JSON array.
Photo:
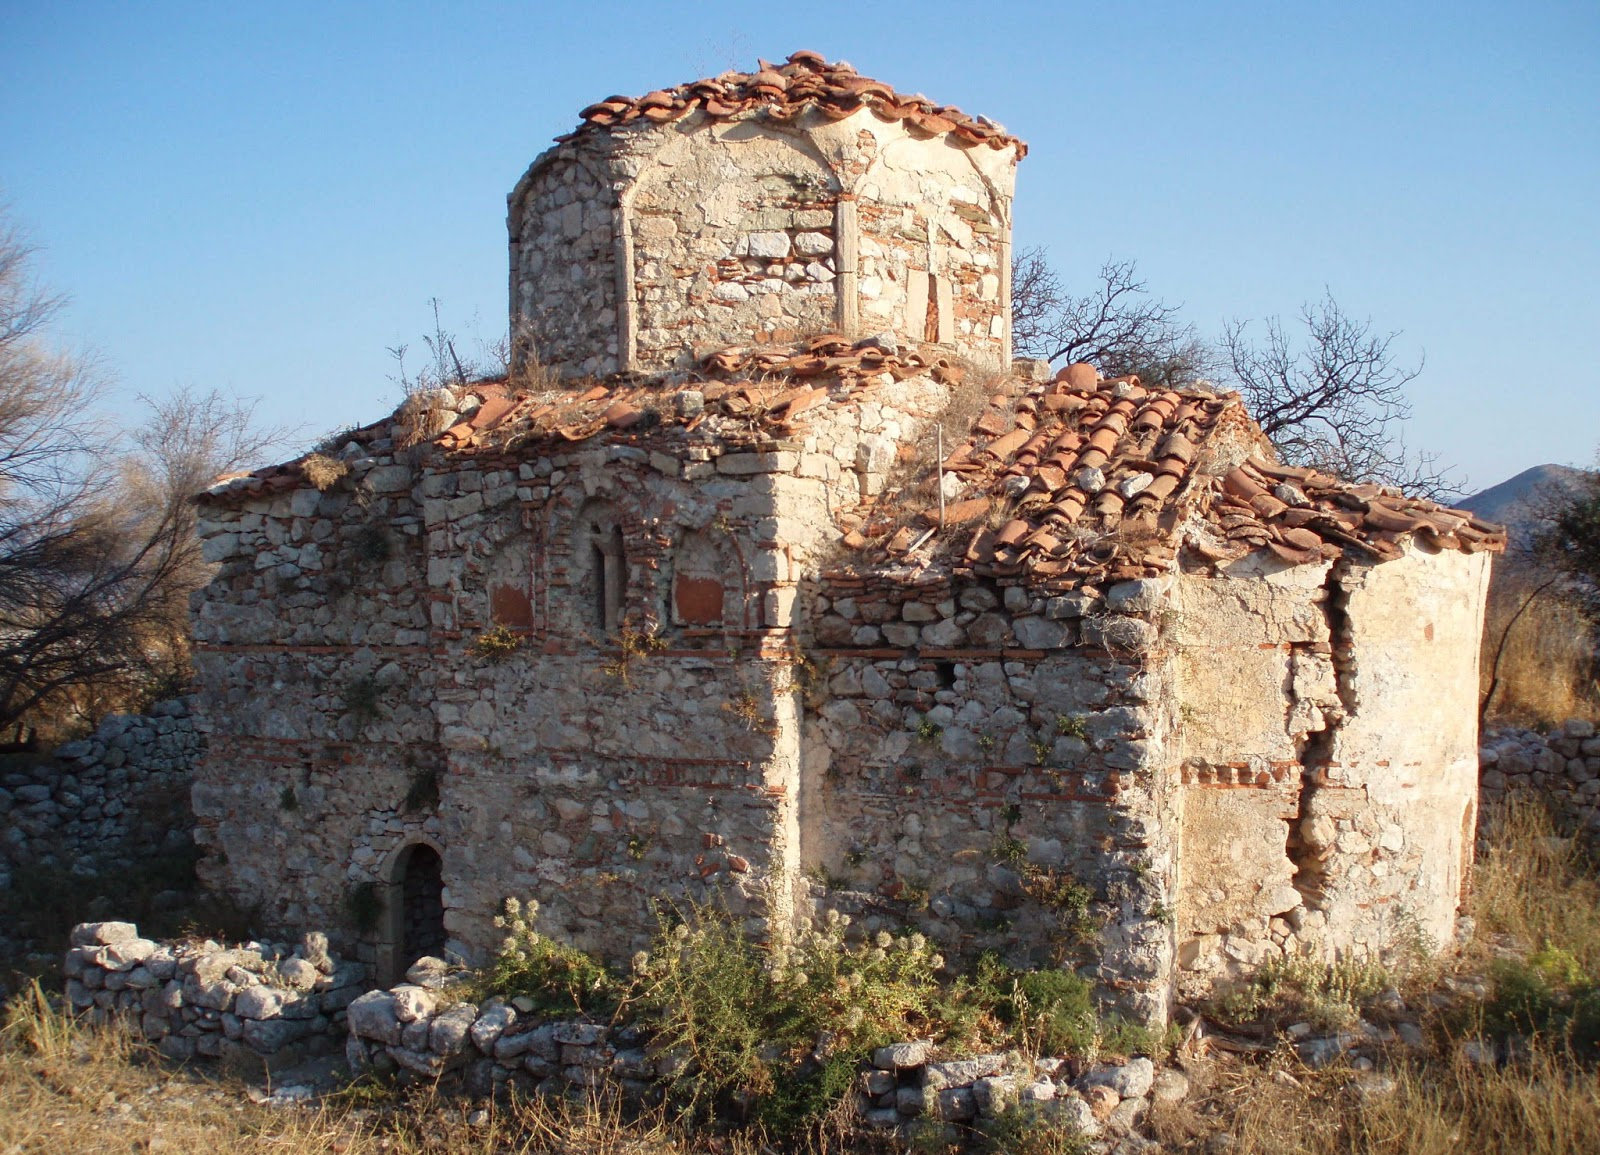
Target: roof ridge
[{"x": 781, "y": 92}]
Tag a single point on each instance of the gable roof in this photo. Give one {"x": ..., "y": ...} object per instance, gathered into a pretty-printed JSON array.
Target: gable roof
[
  {"x": 783, "y": 91},
  {"x": 1079, "y": 480}
]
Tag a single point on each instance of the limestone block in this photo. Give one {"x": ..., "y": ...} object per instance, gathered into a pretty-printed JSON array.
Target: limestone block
[
  {"x": 449, "y": 1030},
  {"x": 258, "y": 1002},
  {"x": 103, "y": 933},
  {"x": 373, "y": 1016}
]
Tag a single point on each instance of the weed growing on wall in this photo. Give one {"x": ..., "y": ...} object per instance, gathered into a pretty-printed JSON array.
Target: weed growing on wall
[
  {"x": 1072, "y": 726},
  {"x": 496, "y": 644},
  {"x": 422, "y": 793},
  {"x": 363, "y": 699},
  {"x": 631, "y": 646},
  {"x": 363, "y": 905}
]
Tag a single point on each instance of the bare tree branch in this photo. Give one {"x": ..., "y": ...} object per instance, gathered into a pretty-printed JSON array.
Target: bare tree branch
[
  {"x": 1334, "y": 398},
  {"x": 1117, "y": 327},
  {"x": 97, "y": 546}
]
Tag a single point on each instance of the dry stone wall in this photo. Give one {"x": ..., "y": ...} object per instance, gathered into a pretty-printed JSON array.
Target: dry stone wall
[
  {"x": 1560, "y": 767},
  {"x": 106, "y": 802},
  {"x": 261, "y": 1003}
]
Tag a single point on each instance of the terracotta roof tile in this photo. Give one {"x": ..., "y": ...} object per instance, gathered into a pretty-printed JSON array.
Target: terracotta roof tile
[
  {"x": 782, "y": 92},
  {"x": 1119, "y": 493}
]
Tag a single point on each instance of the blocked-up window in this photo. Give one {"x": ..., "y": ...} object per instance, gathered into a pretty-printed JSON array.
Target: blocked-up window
[
  {"x": 510, "y": 584},
  {"x": 702, "y": 566},
  {"x": 600, "y": 567}
]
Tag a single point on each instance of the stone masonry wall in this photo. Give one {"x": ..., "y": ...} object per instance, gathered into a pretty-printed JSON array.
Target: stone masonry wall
[
  {"x": 638, "y": 744},
  {"x": 1561, "y": 767},
  {"x": 633, "y": 247},
  {"x": 1328, "y": 797},
  {"x": 104, "y": 802},
  {"x": 992, "y": 765}
]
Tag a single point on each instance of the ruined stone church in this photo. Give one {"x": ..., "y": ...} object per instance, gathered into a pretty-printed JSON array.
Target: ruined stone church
[{"x": 767, "y": 578}]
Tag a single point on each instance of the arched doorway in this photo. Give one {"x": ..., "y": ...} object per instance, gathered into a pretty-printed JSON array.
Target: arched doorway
[
  {"x": 413, "y": 918},
  {"x": 421, "y": 904}
]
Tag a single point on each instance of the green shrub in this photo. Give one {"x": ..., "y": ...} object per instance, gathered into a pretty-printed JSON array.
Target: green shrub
[
  {"x": 556, "y": 977},
  {"x": 1026, "y": 1129},
  {"x": 1327, "y": 995},
  {"x": 1550, "y": 996},
  {"x": 746, "y": 1016}
]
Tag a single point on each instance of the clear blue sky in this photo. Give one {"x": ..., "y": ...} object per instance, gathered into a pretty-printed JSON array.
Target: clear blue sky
[{"x": 263, "y": 197}]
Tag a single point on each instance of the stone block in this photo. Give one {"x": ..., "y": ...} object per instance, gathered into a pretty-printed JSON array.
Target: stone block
[
  {"x": 897, "y": 1056},
  {"x": 101, "y": 933}
]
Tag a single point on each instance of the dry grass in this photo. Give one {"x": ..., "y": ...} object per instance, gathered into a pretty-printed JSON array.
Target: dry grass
[
  {"x": 68, "y": 1086},
  {"x": 1546, "y": 671},
  {"x": 323, "y": 471},
  {"x": 1535, "y": 888},
  {"x": 1441, "y": 1105}
]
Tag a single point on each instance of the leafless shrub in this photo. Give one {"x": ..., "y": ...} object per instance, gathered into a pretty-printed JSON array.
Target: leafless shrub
[{"x": 97, "y": 546}]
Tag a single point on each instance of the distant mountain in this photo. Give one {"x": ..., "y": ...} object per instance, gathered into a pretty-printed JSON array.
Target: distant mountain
[{"x": 1518, "y": 502}]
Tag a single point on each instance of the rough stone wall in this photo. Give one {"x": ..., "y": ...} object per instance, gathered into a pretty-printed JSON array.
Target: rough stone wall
[
  {"x": 630, "y": 248},
  {"x": 994, "y": 766},
  {"x": 1561, "y": 767},
  {"x": 264, "y": 1003},
  {"x": 565, "y": 283},
  {"x": 732, "y": 243},
  {"x": 1328, "y": 733},
  {"x": 105, "y": 802},
  {"x": 315, "y": 687},
  {"x": 934, "y": 252}
]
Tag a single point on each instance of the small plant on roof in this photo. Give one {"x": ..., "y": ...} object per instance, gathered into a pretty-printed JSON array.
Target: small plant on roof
[
  {"x": 496, "y": 644},
  {"x": 323, "y": 471}
]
